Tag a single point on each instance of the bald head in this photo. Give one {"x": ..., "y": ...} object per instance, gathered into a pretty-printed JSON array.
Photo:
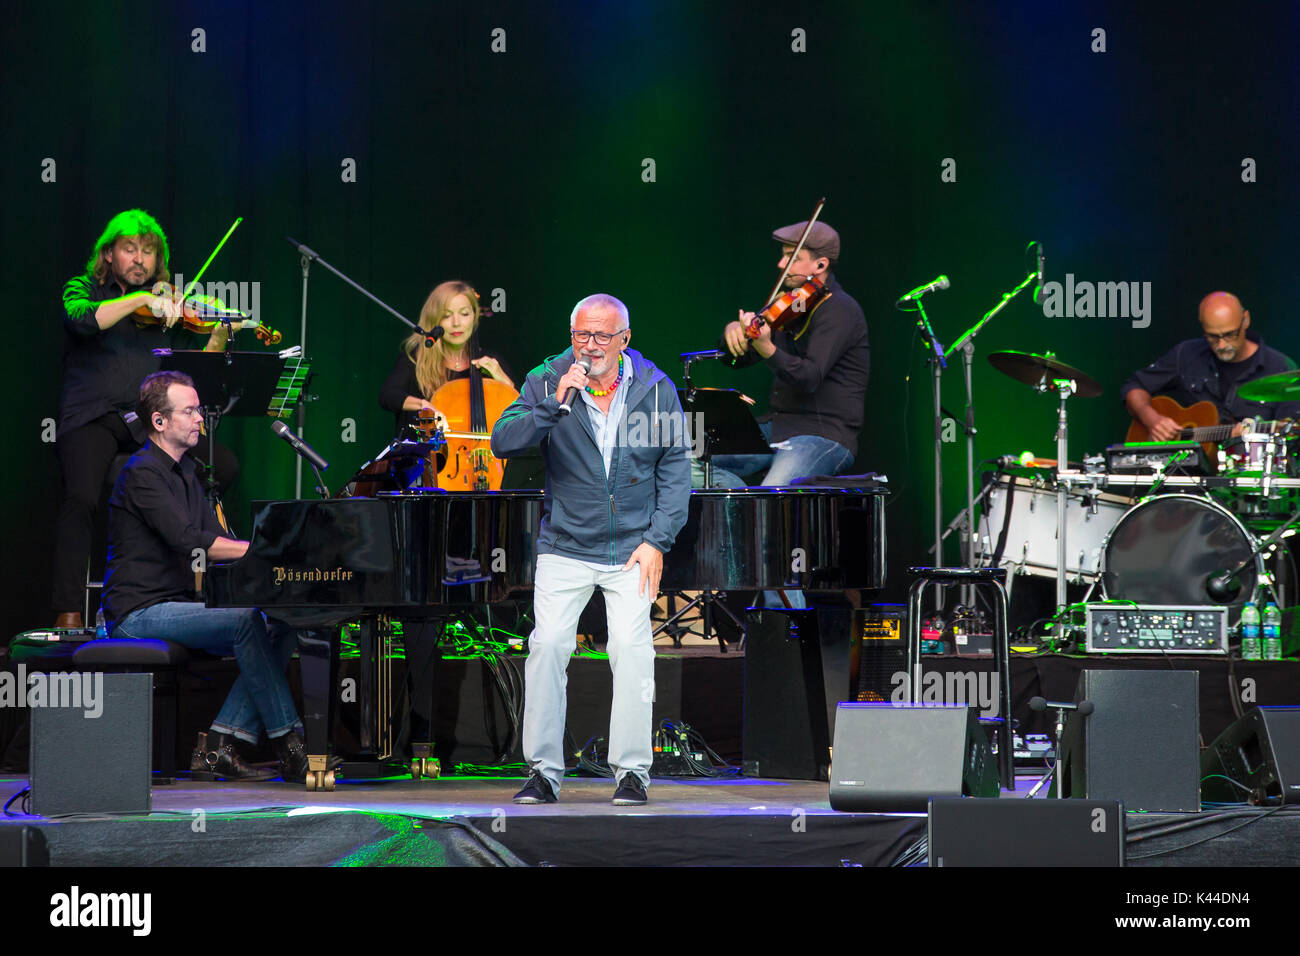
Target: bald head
[{"x": 1224, "y": 323}]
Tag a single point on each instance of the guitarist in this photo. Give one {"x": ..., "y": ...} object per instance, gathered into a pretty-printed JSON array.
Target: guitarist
[{"x": 1209, "y": 369}]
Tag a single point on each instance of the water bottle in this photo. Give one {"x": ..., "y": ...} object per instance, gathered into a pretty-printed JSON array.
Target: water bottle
[
  {"x": 1272, "y": 633},
  {"x": 1250, "y": 648}
]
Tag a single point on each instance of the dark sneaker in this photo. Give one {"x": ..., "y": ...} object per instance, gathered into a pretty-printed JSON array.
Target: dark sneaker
[
  {"x": 536, "y": 790},
  {"x": 630, "y": 792}
]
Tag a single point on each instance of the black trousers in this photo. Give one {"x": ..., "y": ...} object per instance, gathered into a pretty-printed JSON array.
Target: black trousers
[{"x": 85, "y": 457}]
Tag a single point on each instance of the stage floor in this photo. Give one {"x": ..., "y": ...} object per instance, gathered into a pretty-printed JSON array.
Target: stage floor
[{"x": 472, "y": 822}]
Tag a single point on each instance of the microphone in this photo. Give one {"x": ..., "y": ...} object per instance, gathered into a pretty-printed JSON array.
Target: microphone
[
  {"x": 939, "y": 283},
  {"x": 1039, "y": 704},
  {"x": 1038, "y": 287},
  {"x": 1223, "y": 586},
  {"x": 433, "y": 335},
  {"x": 569, "y": 399},
  {"x": 298, "y": 445}
]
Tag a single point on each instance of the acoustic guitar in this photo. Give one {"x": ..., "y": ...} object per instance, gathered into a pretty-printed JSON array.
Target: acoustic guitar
[{"x": 1200, "y": 422}]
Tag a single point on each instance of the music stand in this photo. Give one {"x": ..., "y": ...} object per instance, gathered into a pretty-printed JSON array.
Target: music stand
[
  {"x": 727, "y": 423},
  {"x": 726, "y": 426},
  {"x": 228, "y": 383}
]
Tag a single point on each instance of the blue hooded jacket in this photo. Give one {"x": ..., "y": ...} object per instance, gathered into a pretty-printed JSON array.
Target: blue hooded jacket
[{"x": 587, "y": 515}]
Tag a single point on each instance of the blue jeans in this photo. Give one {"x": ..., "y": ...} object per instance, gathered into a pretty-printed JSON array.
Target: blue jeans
[
  {"x": 800, "y": 456},
  {"x": 260, "y": 698}
]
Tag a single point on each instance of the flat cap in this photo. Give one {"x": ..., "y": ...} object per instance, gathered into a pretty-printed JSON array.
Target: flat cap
[{"x": 822, "y": 241}]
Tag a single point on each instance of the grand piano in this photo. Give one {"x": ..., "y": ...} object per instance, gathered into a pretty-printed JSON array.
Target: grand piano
[{"x": 319, "y": 564}]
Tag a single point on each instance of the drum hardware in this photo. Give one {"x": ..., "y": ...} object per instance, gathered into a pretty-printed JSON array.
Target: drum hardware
[{"x": 1224, "y": 586}]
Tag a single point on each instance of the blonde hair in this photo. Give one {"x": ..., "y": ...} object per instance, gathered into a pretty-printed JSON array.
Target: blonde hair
[{"x": 430, "y": 363}]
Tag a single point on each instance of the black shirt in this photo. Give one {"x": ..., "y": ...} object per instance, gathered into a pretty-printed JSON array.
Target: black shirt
[
  {"x": 820, "y": 373},
  {"x": 103, "y": 368},
  {"x": 157, "y": 518},
  {"x": 1190, "y": 373}
]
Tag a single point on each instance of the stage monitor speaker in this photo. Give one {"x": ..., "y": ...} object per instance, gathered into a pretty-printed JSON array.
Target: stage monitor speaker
[
  {"x": 1012, "y": 832},
  {"x": 1261, "y": 752},
  {"x": 899, "y": 756},
  {"x": 797, "y": 668},
  {"x": 96, "y": 758},
  {"x": 23, "y": 846},
  {"x": 1140, "y": 745}
]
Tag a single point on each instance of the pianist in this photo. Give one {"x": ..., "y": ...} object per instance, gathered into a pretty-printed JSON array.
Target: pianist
[
  {"x": 617, "y": 493},
  {"x": 160, "y": 531}
]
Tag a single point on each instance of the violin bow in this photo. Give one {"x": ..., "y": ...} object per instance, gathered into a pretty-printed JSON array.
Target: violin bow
[
  {"x": 189, "y": 286},
  {"x": 812, "y": 221}
]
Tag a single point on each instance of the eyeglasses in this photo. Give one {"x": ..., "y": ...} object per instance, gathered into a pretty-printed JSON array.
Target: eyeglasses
[
  {"x": 188, "y": 411},
  {"x": 1225, "y": 336},
  {"x": 582, "y": 337}
]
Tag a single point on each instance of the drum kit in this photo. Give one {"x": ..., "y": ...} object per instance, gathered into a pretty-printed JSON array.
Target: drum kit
[{"x": 1161, "y": 532}]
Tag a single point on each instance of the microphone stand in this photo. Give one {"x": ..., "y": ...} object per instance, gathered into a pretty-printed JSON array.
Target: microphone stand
[
  {"x": 1084, "y": 707},
  {"x": 308, "y": 257},
  {"x": 966, "y": 344},
  {"x": 938, "y": 363}
]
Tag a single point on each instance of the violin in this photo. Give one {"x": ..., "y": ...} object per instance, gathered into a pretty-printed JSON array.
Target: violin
[
  {"x": 786, "y": 306},
  {"x": 800, "y": 301},
  {"x": 205, "y": 323}
]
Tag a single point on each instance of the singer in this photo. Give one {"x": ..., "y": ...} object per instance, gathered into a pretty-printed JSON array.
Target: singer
[
  {"x": 159, "y": 524},
  {"x": 819, "y": 365},
  {"x": 616, "y": 497}
]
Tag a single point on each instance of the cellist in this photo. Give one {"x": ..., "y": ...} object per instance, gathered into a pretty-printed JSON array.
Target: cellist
[{"x": 421, "y": 369}]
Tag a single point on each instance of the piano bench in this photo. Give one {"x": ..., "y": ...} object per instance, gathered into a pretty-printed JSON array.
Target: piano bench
[
  {"x": 992, "y": 581},
  {"x": 163, "y": 660}
]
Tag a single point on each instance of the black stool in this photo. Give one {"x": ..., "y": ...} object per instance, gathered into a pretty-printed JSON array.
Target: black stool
[
  {"x": 993, "y": 579},
  {"x": 163, "y": 660}
]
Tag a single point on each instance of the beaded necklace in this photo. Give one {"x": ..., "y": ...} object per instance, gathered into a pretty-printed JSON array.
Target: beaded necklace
[{"x": 602, "y": 392}]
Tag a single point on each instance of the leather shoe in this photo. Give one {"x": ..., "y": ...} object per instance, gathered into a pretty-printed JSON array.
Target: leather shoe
[
  {"x": 69, "y": 619},
  {"x": 292, "y": 751},
  {"x": 215, "y": 758}
]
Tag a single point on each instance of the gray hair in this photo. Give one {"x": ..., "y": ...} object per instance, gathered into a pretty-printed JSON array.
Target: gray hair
[{"x": 601, "y": 298}]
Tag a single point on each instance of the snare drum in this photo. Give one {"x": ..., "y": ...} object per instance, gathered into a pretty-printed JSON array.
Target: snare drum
[{"x": 1018, "y": 528}]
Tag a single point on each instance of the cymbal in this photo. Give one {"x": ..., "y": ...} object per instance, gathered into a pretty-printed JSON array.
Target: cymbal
[
  {"x": 1034, "y": 369},
  {"x": 1282, "y": 387}
]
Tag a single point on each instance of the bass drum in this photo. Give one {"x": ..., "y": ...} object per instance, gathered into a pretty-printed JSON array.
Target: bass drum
[{"x": 1164, "y": 549}]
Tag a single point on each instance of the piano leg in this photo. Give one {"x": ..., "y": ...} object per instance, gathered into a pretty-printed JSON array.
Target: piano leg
[
  {"x": 318, "y": 656},
  {"x": 422, "y": 656}
]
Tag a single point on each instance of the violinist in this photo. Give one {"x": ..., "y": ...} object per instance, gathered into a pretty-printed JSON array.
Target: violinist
[
  {"x": 422, "y": 369},
  {"x": 819, "y": 359},
  {"x": 107, "y": 352}
]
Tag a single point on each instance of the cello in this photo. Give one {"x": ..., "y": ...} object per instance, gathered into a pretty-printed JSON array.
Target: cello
[{"x": 472, "y": 406}]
